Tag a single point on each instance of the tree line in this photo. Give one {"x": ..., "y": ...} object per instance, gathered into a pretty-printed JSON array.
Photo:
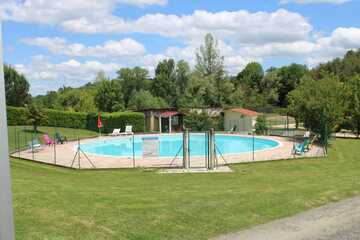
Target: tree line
[{"x": 323, "y": 98}]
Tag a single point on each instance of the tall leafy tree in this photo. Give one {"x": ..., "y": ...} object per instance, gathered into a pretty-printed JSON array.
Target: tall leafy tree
[
  {"x": 16, "y": 87},
  {"x": 109, "y": 97},
  {"x": 164, "y": 84},
  {"x": 182, "y": 75},
  {"x": 133, "y": 80},
  {"x": 353, "y": 94},
  {"x": 144, "y": 99},
  {"x": 320, "y": 104},
  {"x": 289, "y": 79},
  {"x": 209, "y": 60},
  {"x": 251, "y": 75}
]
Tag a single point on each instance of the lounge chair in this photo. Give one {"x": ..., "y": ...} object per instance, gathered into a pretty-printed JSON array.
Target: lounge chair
[
  {"x": 300, "y": 148},
  {"x": 128, "y": 130},
  {"x": 60, "y": 139},
  {"x": 34, "y": 145},
  {"x": 47, "y": 140},
  {"x": 116, "y": 132}
]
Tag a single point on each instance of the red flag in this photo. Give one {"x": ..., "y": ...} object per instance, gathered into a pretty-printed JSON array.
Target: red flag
[{"x": 99, "y": 121}]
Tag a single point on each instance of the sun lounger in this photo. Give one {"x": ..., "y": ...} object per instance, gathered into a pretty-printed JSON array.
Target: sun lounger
[
  {"x": 60, "y": 139},
  {"x": 34, "y": 145},
  {"x": 128, "y": 130},
  {"x": 300, "y": 148},
  {"x": 47, "y": 140},
  {"x": 116, "y": 132}
]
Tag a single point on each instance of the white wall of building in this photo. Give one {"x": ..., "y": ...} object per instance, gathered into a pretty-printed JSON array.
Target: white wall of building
[{"x": 243, "y": 123}]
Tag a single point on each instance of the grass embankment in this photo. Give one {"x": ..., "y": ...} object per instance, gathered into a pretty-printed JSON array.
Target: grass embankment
[{"x": 55, "y": 203}]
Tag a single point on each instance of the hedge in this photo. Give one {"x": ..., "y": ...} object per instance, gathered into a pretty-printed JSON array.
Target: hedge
[
  {"x": 65, "y": 119},
  {"x": 16, "y": 116},
  {"x": 56, "y": 118}
]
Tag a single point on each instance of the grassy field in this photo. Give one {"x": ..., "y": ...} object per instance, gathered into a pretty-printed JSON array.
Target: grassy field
[
  {"x": 25, "y": 134},
  {"x": 54, "y": 203}
]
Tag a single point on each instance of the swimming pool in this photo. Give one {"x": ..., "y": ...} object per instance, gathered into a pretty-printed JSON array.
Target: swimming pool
[{"x": 170, "y": 145}]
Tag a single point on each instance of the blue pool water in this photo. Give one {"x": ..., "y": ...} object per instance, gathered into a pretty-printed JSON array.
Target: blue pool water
[{"x": 170, "y": 145}]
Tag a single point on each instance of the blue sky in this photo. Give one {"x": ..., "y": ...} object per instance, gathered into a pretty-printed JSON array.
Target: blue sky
[{"x": 68, "y": 42}]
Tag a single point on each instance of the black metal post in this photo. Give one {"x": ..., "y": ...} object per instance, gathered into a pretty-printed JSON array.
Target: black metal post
[{"x": 253, "y": 145}]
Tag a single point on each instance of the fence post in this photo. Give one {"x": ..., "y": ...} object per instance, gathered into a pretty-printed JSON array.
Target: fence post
[
  {"x": 79, "y": 157},
  {"x": 212, "y": 150},
  {"x": 133, "y": 150},
  {"x": 253, "y": 145},
  {"x": 55, "y": 147},
  {"x": 19, "y": 143},
  {"x": 186, "y": 164}
]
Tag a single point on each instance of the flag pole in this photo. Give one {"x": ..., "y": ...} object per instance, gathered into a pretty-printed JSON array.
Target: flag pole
[{"x": 6, "y": 211}]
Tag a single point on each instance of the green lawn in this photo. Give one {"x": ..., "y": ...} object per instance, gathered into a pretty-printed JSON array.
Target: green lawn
[
  {"x": 26, "y": 132},
  {"x": 55, "y": 203}
]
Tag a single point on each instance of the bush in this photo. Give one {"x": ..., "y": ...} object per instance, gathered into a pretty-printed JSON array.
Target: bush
[
  {"x": 18, "y": 116},
  {"x": 200, "y": 121},
  {"x": 261, "y": 125},
  {"x": 66, "y": 119}
]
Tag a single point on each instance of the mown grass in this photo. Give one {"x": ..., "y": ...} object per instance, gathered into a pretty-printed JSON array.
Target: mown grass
[
  {"x": 25, "y": 133},
  {"x": 55, "y": 203}
]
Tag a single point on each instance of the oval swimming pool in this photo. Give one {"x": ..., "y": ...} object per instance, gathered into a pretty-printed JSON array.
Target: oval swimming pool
[{"x": 170, "y": 145}]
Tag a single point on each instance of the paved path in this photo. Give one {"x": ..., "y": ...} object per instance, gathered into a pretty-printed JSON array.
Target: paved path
[{"x": 335, "y": 221}]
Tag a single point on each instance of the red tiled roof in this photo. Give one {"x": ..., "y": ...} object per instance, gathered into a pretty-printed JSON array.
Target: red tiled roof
[
  {"x": 245, "y": 112},
  {"x": 169, "y": 113}
]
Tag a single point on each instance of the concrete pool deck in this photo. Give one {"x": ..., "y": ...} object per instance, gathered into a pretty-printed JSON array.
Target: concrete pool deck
[{"x": 65, "y": 155}]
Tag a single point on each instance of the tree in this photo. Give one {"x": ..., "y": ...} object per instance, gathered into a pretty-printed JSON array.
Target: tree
[
  {"x": 199, "y": 121},
  {"x": 319, "y": 104},
  {"x": 16, "y": 87},
  {"x": 208, "y": 59},
  {"x": 35, "y": 116},
  {"x": 182, "y": 75},
  {"x": 289, "y": 79},
  {"x": 164, "y": 84},
  {"x": 133, "y": 80},
  {"x": 251, "y": 75},
  {"x": 353, "y": 93},
  {"x": 144, "y": 99},
  {"x": 344, "y": 68},
  {"x": 109, "y": 97}
]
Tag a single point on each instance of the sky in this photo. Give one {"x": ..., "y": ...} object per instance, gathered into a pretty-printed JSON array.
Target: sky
[{"x": 67, "y": 42}]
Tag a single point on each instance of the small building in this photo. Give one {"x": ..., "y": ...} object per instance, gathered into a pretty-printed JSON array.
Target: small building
[
  {"x": 163, "y": 120},
  {"x": 240, "y": 119}
]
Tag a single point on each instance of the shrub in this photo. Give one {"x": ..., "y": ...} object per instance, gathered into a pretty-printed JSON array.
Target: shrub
[
  {"x": 55, "y": 118},
  {"x": 261, "y": 125},
  {"x": 200, "y": 121},
  {"x": 16, "y": 116},
  {"x": 66, "y": 119}
]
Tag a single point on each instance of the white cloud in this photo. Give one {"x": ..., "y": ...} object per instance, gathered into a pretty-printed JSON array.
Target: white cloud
[
  {"x": 313, "y": 1},
  {"x": 243, "y": 26},
  {"x": 142, "y": 3},
  {"x": 44, "y": 75},
  {"x": 83, "y": 16},
  {"x": 114, "y": 49}
]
